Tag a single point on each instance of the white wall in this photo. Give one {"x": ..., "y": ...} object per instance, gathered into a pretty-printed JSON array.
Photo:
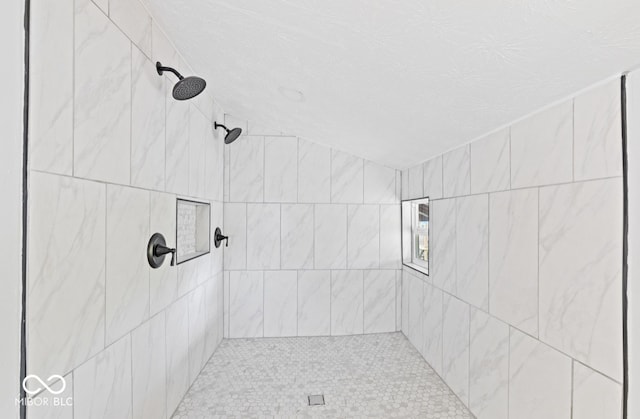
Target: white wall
[
  {"x": 110, "y": 152},
  {"x": 314, "y": 244},
  {"x": 633, "y": 150},
  {"x": 522, "y": 312},
  {"x": 11, "y": 106}
]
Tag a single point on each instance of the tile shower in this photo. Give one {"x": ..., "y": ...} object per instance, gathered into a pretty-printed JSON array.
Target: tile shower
[{"x": 519, "y": 318}]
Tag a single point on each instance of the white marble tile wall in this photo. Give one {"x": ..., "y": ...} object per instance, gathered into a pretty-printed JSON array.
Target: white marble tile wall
[
  {"x": 310, "y": 219},
  {"x": 110, "y": 151},
  {"x": 314, "y": 303},
  {"x": 347, "y": 311},
  {"x": 522, "y": 312},
  {"x": 280, "y": 303}
]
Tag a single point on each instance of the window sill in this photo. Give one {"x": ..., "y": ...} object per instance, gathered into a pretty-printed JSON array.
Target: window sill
[{"x": 415, "y": 267}]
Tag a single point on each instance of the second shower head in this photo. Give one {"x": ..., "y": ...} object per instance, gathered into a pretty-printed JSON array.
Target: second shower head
[
  {"x": 232, "y": 134},
  {"x": 187, "y": 87}
]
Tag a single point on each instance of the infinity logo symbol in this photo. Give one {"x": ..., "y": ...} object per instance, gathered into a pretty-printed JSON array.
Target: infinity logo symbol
[{"x": 43, "y": 384}]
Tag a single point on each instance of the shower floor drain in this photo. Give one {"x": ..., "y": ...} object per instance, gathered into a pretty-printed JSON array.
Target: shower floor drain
[{"x": 316, "y": 400}]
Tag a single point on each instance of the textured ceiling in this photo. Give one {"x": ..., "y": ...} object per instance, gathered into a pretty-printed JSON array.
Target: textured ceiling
[{"x": 394, "y": 81}]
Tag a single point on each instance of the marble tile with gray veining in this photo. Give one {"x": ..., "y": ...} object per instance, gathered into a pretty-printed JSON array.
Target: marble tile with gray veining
[
  {"x": 197, "y": 331},
  {"x": 102, "y": 100},
  {"x": 147, "y": 124},
  {"x": 148, "y": 368},
  {"x": 177, "y": 144},
  {"x": 263, "y": 236},
  {"x": 432, "y": 182},
  {"x": 214, "y": 166},
  {"x": 398, "y": 300},
  {"x": 43, "y": 405},
  {"x": 490, "y": 163},
  {"x": 214, "y": 310},
  {"x": 488, "y": 366},
  {"x": 297, "y": 236},
  {"x": 432, "y": 327},
  {"x": 456, "y": 167},
  {"x": 217, "y": 256},
  {"x": 246, "y": 309},
  {"x": 246, "y": 175},
  {"x": 314, "y": 303},
  {"x": 227, "y": 175},
  {"x": 346, "y": 302},
  {"x": 594, "y": 395},
  {"x": 541, "y": 148},
  {"x": 472, "y": 250},
  {"x": 581, "y": 272},
  {"x": 416, "y": 179},
  {"x": 280, "y": 169},
  {"x": 200, "y": 132},
  {"x": 347, "y": 178},
  {"x": 102, "y": 4},
  {"x": 379, "y": 184},
  {"x": 51, "y": 86},
  {"x": 102, "y": 385},
  {"x": 162, "y": 49},
  {"x": 235, "y": 226},
  {"x": 404, "y": 184},
  {"x": 134, "y": 20},
  {"x": 314, "y": 172},
  {"x": 390, "y": 237},
  {"x": 455, "y": 346},
  {"x": 226, "y": 287},
  {"x": 598, "y": 132},
  {"x": 443, "y": 243},
  {"x": 363, "y": 242},
  {"x": 280, "y": 306},
  {"x": 535, "y": 368},
  {"x": 379, "y": 301},
  {"x": 177, "y": 352},
  {"x": 513, "y": 259},
  {"x": 406, "y": 281},
  {"x": 416, "y": 330},
  {"x": 330, "y": 235},
  {"x": 66, "y": 272},
  {"x": 127, "y": 267}
]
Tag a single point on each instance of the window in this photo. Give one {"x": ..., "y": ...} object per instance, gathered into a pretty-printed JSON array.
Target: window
[{"x": 415, "y": 247}]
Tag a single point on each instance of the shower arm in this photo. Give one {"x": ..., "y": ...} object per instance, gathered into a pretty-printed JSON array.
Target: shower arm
[
  {"x": 161, "y": 69},
  {"x": 216, "y": 125}
]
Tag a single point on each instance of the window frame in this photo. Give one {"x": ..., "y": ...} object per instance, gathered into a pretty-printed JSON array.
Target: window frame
[{"x": 409, "y": 260}]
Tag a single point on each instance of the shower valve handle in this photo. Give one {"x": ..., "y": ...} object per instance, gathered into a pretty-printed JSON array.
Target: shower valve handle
[
  {"x": 219, "y": 237},
  {"x": 225, "y": 238},
  {"x": 160, "y": 250}
]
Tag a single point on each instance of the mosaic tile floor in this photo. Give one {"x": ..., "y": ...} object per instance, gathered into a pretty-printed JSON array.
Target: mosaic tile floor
[{"x": 360, "y": 376}]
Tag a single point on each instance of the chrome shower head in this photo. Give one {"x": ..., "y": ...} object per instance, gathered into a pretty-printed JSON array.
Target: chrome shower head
[
  {"x": 187, "y": 87},
  {"x": 232, "y": 134}
]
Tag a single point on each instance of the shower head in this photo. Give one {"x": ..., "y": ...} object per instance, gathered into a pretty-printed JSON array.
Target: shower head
[
  {"x": 187, "y": 87},
  {"x": 232, "y": 134}
]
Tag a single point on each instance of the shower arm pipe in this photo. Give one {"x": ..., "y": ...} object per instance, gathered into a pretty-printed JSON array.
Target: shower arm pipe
[
  {"x": 161, "y": 69},
  {"x": 216, "y": 125}
]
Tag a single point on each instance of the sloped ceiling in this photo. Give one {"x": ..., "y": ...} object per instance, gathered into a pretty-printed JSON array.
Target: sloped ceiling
[{"x": 395, "y": 81}]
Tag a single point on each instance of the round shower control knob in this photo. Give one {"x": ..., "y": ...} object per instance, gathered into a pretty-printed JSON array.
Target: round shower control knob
[{"x": 157, "y": 250}]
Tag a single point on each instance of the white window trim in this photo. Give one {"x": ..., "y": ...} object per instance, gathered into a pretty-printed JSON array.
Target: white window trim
[{"x": 410, "y": 260}]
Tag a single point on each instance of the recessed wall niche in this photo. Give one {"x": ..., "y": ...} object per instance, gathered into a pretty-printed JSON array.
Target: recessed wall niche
[{"x": 192, "y": 229}]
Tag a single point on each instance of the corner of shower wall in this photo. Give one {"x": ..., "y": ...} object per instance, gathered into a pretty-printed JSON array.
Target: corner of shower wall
[{"x": 314, "y": 244}]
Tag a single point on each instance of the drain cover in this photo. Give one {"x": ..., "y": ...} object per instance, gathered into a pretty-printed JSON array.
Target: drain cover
[{"x": 316, "y": 400}]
